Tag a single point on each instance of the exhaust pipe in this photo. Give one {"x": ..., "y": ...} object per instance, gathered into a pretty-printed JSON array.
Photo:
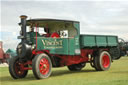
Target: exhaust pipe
[{"x": 23, "y": 27}]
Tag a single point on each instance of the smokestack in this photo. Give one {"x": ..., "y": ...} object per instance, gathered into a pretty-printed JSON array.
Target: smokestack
[{"x": 23, "y": 26}]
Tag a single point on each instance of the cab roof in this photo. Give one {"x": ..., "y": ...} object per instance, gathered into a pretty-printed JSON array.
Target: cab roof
[{"x": 46, "y": 19}]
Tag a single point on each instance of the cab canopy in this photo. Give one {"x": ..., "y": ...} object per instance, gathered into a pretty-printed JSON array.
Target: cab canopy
[{"x": 55, "y": 25}]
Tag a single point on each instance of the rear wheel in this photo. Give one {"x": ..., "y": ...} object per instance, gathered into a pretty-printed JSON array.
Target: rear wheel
[
  {"x": 103, "y": 61},
  {"x": 41, "y": 66},
  {"x": 15, "y": 69},
  {"x": 76, "y": 67}
]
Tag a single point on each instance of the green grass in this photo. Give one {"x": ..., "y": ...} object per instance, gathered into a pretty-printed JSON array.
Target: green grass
[{"x": 116, "y": 75}]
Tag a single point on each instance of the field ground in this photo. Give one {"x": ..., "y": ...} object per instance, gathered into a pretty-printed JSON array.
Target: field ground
[{"x": 116, "y": 75}]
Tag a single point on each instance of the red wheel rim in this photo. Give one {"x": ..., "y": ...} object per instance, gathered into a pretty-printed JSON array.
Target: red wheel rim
[
  {"x": 18, "y": 69},
  {"x": 44, "y": 66},
  {"x": 105, "y": 61}
]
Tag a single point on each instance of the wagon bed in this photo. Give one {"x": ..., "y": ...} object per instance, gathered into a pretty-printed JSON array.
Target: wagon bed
[{"x": 98, "y": 41}]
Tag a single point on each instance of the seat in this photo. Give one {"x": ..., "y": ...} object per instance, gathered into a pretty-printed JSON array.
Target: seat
[{"x": 55, "y": 35}]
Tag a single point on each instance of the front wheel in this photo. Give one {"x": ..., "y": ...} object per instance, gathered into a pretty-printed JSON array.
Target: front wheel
[
  {"x": 41, "y": 66},
  {"x": 103, "y": 61},
  {"x": 15, "y": 69}
]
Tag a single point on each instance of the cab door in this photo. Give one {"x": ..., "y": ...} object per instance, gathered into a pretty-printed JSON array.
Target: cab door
[
  {"x": 62, "y": 49},
  {"x": 54, "y": 45}
]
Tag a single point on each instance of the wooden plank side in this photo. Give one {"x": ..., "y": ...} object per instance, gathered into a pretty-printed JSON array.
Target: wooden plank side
[
  {"x": 112, "y": 41},
  {"x": 101, "y": 41},
  {"x": 98, "y": 41},
  {"x": 87, "y": 41}
]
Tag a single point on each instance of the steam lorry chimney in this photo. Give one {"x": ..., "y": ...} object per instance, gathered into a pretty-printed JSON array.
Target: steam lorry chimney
[{"x": 23, "y": 27}]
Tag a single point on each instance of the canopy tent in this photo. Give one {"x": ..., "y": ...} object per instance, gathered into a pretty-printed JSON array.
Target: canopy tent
[{"x": 12, "y": 52}]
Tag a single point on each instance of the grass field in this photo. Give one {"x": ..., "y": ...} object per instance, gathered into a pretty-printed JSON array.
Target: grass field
[{"x": 116, "y": 75}]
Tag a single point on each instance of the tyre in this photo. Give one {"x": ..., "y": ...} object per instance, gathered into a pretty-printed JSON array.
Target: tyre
[
  {"x": 103, "y": 61},
  {"x": 76, "y": 67},
  {"x": 15, "y": 69},
  {"x": 115, "y": 53},
  {"x": 41, "y": 66}
]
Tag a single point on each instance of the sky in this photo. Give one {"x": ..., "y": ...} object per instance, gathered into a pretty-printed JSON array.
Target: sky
[{"x": 95, "y": 17}]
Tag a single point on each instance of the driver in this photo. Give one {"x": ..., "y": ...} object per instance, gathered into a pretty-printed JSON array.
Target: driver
[{"x": 47, "y": 32}]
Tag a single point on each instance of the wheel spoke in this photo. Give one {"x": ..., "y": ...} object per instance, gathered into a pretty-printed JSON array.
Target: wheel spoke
[
  {"x": 18, "y": 69},
  {"x": 44, "y": 66}
]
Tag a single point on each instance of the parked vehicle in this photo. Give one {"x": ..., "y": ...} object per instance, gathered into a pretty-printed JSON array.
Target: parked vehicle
[
  {"x": 123, "y": 47},
  {"x": 56, "y": 43},
  {"x": 3, "y": 56}
]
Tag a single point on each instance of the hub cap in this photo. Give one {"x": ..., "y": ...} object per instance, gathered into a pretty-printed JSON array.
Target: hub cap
[
  {"x": 44, "y": 66},
  {"x": 18, "y": 69},
  {"x": 105, "y": 61}
]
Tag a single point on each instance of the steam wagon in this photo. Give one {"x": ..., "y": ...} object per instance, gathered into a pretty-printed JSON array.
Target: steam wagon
[{"x": 48, "y": 43}]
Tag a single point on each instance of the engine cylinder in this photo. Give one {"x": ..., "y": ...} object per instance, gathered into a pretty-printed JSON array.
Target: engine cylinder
[{"x": 24, "y": 50}]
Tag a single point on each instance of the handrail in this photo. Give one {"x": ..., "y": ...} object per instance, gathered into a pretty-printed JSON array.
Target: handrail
[{"x": 36, "y": 36}]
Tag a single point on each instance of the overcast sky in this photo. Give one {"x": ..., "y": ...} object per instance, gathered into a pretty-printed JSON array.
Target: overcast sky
[{"x": 96, "y": 17}]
